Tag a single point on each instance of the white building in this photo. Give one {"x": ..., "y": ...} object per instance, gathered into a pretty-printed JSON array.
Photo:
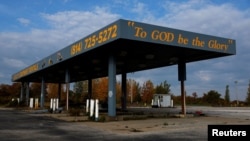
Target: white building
[{"x": 162, "y": 100}]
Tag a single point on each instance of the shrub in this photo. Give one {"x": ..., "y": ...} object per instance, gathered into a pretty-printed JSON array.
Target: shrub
[{"x": 74, "y": 111}]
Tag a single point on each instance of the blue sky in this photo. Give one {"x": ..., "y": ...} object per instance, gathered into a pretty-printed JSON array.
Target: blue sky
[{"x": 31, "y": 30}]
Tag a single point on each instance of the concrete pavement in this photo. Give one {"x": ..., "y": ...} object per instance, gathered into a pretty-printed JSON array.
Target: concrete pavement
[{"x": 16, "y": 125}]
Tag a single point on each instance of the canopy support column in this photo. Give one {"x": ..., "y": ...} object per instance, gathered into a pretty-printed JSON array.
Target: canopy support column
[
  {"x": 67, "y": 80},
  {"x": 112, "y": 88},
  {"x": 124, "y": 91},
  {"x": 89, "y": 88},
  {"x": 182, "y": 78},
  {"x": 22, "y": 89},
  {"x": 42, "y": 93},
  {"x": 27, "y": 93},
  {"x": 59, "y": 92}
]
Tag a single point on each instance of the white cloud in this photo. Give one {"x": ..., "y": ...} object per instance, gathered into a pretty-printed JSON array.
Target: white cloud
[
  {"x": 20, "y": 49},
  {"x": 204, "y": 17},
  {"x": 204, "y": 75},
  {"x": 69, "y": 26},
  {"x": 198, "y": 16},
  {"x": 14, "y": 63},
  {"x": 87, "y": 20},
  {"x": 1, "y": 75},
  {"x": 66, "y": 27},
  {"x": 223, "y": 20},
  {"x": 24, "y": 21},
  {"x": 139, "y": 8}
]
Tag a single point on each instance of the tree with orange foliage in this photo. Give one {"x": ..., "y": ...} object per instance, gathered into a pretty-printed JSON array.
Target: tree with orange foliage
[
  {"x": 7, "y": 92},
  {"x": 35, "y": 90},
  {"x": 100, "y": 89},
  {"x": 131, "y": 90},
  {"x": 147, "y": 91},
  {"x": 52, "y": 90},
  {"x": 118, "y": 92},
  {"x": 137, "y": 92}
]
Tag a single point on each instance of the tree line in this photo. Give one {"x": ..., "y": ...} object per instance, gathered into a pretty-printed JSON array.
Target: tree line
[{"x": 136, "y": 94}]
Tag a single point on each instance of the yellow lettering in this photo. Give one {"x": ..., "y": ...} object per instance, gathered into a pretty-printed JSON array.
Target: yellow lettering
[
  {"x": 16, "y": 76},
  {"x": 103, "y": 36},
  {"x": 154, "y": 35},
  {"x": 114, "y": 31},
  {"x": 26, "y": 71},
  {"x": 197, "y": 42},
  {"x": 162, "y": 36},
  {"x": 76, "y": 48},
  {"x": 218, "y": 46},
  {"x": 182, "y": 40},
  {"x": 138, "y": 30}
]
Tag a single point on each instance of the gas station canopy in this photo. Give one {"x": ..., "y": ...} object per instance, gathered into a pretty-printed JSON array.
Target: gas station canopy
[{"x": 135, "y": 46}]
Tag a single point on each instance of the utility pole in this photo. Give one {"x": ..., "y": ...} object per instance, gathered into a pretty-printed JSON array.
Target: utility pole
[
  {"x": 236, "y": 92},
  {"x": 131, "y": 90}
]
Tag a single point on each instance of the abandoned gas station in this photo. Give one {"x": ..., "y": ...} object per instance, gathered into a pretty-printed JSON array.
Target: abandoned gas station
[{"x": 119, "y": 48}]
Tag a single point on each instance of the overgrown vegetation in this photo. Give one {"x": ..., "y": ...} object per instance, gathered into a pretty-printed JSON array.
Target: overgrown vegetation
[{"x": 136, "y": 95}]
